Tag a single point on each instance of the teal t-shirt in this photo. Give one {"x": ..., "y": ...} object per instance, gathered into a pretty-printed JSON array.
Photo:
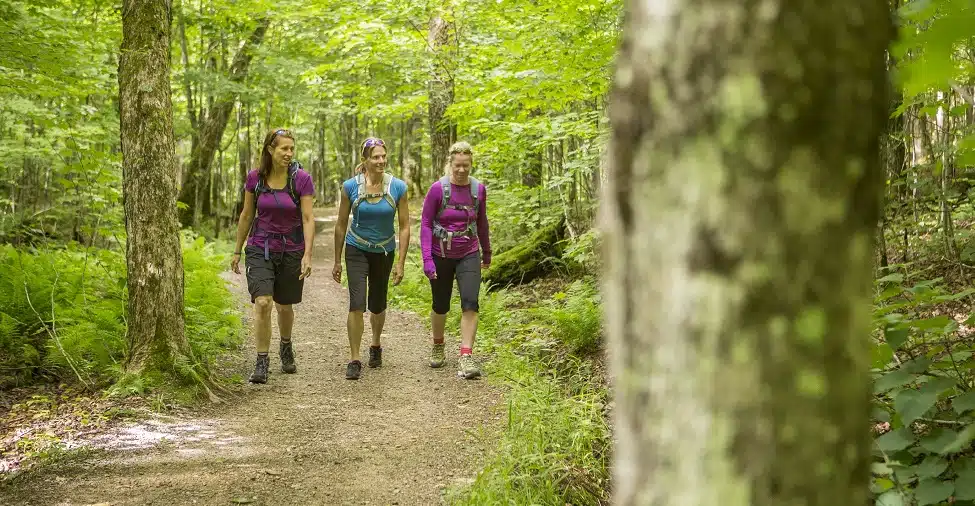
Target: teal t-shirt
[{"x": 373, "y": 222}]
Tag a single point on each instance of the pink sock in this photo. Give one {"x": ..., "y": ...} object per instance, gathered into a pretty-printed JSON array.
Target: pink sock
[{"x": 466, "y": 351}]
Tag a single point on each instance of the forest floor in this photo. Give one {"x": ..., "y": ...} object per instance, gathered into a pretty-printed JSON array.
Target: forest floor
[{"x": 402, "y": 434}]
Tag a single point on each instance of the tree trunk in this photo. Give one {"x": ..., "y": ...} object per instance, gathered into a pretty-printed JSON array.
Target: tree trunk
[
  {"x": 211, "y": 131},
  {"x": 243, "y": 156},
  {"x": 442, "y": 132},
  {"x": 739, "y": 217},
  {"x": 155, "y": 331}
]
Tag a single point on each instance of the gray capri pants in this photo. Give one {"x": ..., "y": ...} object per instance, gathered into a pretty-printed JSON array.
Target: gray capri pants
[
  {"x": 362, "y": 266},
  {"x": 467, "y": 271}
]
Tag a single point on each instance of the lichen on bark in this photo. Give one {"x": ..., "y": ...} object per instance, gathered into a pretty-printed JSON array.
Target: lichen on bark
[
  {"x": 739, "y": 212},
  {"x": 154, "y": 313}
]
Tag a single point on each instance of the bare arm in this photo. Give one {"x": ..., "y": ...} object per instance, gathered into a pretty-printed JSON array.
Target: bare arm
[
  {"x": 243, "y": 228},
  {"x": 341, "y": 226},
  {"x": 245, "y": 220},
  {"x": 308, "y": 223},
  {"x": 404, "y": 228}
]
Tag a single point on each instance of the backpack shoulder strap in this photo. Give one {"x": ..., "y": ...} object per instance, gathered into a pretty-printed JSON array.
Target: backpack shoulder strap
[
  {"x": 475, "y": 191},
  {"x": 387, "y": 184},
  {"x": 292, "y": 176},
  {"x": 444, "y": 195}
]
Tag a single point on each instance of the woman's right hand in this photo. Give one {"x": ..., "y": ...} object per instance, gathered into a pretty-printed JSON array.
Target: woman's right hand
[
  {"x": 337, "y": 272},
  {"x": 430, "y": 269},
  {"x": 235, "y": 263}
]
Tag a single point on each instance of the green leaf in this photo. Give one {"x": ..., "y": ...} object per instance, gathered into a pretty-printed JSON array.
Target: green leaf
[
  {"x": 880, "y": 468},
  {"x": 964, "y": 402},
  {"x": 938, "y": 440},
  {"x": 895, "y": 440},
  {"x": 938, "y": 385},
  {"x": 882, "y": 355},
  {"x": 895, "y": 277},
  {"x": 941, "y": 322},
  {"x": 961, "y": 442},
  {"x": 932, "y": 491},
  {"x": 893, "y": 379},
  {"x": 946, "y": 441},
  {"x": 896, "y": 337},
  {"x": 917, "y": 366},
  {"x": 931, "y": 467},
  {"x": 965, "y": 481},
  {"x": 892, "y": 497},
  {"x": 913, "y": 404}
]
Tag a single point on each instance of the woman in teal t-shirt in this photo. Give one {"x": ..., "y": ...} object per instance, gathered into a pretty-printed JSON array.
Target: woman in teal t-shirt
[{"x": 373, "y": 198}]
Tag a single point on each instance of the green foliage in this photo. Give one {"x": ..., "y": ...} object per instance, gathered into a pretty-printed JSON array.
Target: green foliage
[
  {"x": 923, "y": 368},
  {"x": 63, "y": 315},
  {"x": 555, "y": 446}
]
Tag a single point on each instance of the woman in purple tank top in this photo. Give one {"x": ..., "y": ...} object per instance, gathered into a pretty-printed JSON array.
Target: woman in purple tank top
[
  {"x": 277, "y": 215},
  {"x": 455, "y": 244}
]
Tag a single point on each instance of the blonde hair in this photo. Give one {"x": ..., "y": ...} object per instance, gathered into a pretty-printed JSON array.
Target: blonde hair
[{"x": 457, "y": 148}]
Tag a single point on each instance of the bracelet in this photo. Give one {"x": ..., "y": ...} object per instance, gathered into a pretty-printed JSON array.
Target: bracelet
[{"x": 237, "y": 253}]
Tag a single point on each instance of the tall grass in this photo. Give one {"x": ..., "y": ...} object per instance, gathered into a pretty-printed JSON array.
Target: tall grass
[{"x": 555, "y": 444}]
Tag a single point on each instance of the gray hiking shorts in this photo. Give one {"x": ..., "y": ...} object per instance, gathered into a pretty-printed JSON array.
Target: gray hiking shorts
[{"x": 365, "y": 268}]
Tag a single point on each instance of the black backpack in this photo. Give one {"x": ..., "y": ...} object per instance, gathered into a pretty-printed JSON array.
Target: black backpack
[{"x": 297, "y": 235}]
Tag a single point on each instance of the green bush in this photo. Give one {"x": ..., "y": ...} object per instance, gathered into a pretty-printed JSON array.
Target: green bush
[
  {"x": 555, "y": 446},
  {"x": 62, "y": 312},
  {"x": 924, "y": 407}
]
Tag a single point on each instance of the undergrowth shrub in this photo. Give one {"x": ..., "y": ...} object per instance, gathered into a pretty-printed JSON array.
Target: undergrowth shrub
[
  {"x": 62, "y": 311},
  {"x": 924, "y": 406},
  {"x": 555, "y": 444}
]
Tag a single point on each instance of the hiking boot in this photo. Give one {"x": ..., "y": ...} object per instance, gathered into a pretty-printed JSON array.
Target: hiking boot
[
  {"x": 288, "y": 357},
  {"x": 468, "y": 368},
  {"x": 354, "y": 370},
  {"x": 437, "y": 356},
  {"x": 375, "y": 356},
  {"x": 261, "y": 369}
]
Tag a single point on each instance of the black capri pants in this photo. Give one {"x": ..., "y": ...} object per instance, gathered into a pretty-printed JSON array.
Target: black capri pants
[
  {"x": 277, "y": 276},
  {"x": 467, "y": 272},
  {"x": 362, "y": 266}
]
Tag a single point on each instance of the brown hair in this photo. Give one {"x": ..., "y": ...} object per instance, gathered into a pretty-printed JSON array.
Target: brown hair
[
  {"x": 368, "y": 146},
  {"x": 457, "y": 148},
  {"x": 270, "y": 140}
]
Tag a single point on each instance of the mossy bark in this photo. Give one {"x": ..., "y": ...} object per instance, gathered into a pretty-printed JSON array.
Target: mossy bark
[
  {"x": 529, "y": 260},
  {"x": 156, "y": 336},
  {"x": 739, "y": 220}
]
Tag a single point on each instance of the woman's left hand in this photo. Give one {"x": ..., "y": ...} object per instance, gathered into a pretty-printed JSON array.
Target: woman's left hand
[
  {"x": 484, "y": 266},
  {"x": 305, "y": 267},
  {"x": 397, "y": 274}
]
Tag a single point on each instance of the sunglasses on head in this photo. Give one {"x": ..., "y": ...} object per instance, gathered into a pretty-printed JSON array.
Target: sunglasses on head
[
  {"x": 370, "y": 142},
  {"x": 282, "y": 132}
]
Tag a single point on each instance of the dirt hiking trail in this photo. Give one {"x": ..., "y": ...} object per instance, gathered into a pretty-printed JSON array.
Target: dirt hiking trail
[{"x": 399, "y": 435}]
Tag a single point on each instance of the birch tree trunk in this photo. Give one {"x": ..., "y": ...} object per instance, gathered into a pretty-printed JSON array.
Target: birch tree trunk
[
  {"x": 154, "y": 258},
  {"x": 739, "y": 214}
]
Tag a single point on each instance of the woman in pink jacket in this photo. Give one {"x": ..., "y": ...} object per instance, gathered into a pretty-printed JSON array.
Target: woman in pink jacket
[{"x": 455, "y": 244}]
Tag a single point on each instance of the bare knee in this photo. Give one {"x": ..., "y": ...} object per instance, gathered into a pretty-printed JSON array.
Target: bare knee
[
  {"x": 284, "y": 308},
  {"x": 263, "y": 305}
]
